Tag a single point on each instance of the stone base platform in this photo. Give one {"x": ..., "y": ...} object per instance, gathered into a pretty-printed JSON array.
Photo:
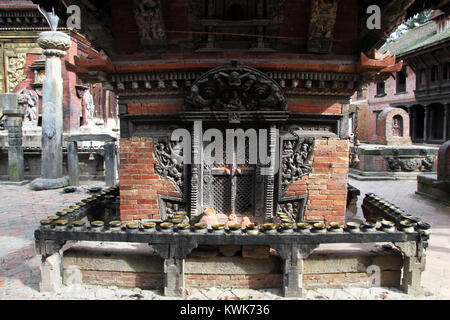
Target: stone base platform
[
  {"x": 385, "y": 162},
  {"x": 137, "y": 265},
  {"x": 428, "y": 185}
]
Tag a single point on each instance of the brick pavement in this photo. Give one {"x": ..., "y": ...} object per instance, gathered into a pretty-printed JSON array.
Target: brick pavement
[{"x": 21, "y": 210}]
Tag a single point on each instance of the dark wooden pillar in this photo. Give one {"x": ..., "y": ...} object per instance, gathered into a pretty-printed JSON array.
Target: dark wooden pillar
[
  {"x": 425, "y": 123},
  {"x": 445, "y": 132}
]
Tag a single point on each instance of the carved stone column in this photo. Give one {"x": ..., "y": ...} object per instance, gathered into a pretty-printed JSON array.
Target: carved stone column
[
  {"x": 55, "y": 45},
  {"x": 110, "y": 164},
  {"x": 73, "y": 163},
  {"x": 15, "y": 114}
]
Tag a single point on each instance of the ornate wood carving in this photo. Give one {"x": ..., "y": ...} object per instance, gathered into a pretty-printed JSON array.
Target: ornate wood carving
[
  {"x": 321, "y": 25},
  {"x": 235, "y": 88},
  {"x": 295, "y": 158},
  {"x": 169, "y": 166},
  {"x": 150, "y": 21}
]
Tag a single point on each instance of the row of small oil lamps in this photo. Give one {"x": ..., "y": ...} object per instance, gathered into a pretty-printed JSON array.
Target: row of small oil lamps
[
  {"x": 180, "y": 223},
  {"x": 61, "y": 221},
  {"x": 406, "y": 222}
]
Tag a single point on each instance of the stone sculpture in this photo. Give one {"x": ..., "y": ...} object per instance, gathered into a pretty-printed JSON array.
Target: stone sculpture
[{"x": 30, "y": 99}]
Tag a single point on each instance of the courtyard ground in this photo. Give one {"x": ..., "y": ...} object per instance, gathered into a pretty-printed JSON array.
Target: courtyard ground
[{"x": 21, "y": 210}]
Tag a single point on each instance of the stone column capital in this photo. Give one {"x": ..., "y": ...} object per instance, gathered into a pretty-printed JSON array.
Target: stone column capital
[{"x": 54, "y": 43}]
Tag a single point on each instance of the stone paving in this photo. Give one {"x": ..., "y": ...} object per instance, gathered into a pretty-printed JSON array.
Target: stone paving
[{"x": 21, "y": 210}]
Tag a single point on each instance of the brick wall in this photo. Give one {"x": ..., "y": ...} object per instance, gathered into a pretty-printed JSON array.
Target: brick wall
[
  {"x": 326, "y": 185},
  {"x": 156, "y": 107},
  {"x": 139, "y": 184},
  {"x": 392, "y": 98}
]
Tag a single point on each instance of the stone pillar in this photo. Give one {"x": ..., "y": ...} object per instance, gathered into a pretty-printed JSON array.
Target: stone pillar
[
  {"x": 15, "y": 113},
  {"x": 293, "y": 256},
  {"x": 413, "y": 266},
  {"x": 55, "y": 45},
  {"x": 51, "y": 280},
  {"x": 72, "y": 163},
  {"x": 174, "y": 270},
  {"x": 110, "y": 164}
]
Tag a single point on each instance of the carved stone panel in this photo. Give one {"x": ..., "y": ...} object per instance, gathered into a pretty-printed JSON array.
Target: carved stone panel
[
  {"x": 169, "y": 206},
  {"x": 294, "y": 207},
  {"x": 235, "y": 89},
  {"x": 170, "y": 156},
  {"x": 16, "y": 70},
  {"x": 295, "y": 159},
  {"x": 321, "y": 25},
  {"x": 410, "y": 164}
]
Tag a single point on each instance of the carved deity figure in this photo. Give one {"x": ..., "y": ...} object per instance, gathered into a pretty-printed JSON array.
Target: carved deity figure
[
  {"x": 295, "y": 160},
  {"x": 170, "y": 162},
  {"x": 149, "y": 19},
  {"x": 30, "y": 99},
  {"x": 88, "y": 108}
]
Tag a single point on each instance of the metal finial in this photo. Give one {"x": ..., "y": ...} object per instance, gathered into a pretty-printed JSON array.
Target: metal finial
[{"x": 51, "y": 18}]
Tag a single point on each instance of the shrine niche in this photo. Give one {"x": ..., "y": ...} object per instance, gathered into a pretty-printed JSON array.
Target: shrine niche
[
  {"x": 394, "y": 124},
  {"x": 321, "y": 25},
  {"x": 235, "y": 89}
]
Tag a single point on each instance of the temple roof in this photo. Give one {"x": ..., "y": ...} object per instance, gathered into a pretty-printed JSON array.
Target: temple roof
[
  {"x": 101, "y": 29},
  {"x": 415, "y": 39}
]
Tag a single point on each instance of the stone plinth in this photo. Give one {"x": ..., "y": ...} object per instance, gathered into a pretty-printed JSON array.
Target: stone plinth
[
  {"x": 15, "y": 114},
  {"x": 437, "y": 186},
  {"x": 137, "y": 265},
  {"x": 381, "y": 162}
]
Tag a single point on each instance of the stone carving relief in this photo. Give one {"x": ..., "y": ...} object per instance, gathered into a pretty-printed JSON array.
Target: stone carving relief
[
  {"x": 150, "y": 22},
  {"x": 169, "y": 207},
  {"x": 410, "y": 164},
  {"x": 170, "y": 166},
  {"x": 235, "y": 89},
  {"x": 290, "y": 208},
  {"x": 30, "y": 99},
  {"x": 321, "y": 25},
  {"x": 87, "y": 103},
  {"x": 16, "y": 70},
  {"x": 296, "y": 155}
]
